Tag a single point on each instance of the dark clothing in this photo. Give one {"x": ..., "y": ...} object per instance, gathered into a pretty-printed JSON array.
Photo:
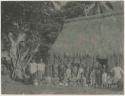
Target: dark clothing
[
  {"x": 61, "y": 71},
  {"x": 98, "y": 77}
]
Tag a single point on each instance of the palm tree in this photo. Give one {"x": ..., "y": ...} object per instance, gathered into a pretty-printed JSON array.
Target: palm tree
[{"x": 98, "y": 7}]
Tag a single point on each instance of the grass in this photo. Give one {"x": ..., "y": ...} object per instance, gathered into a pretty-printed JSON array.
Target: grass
[{"x": 12, "y": 87}]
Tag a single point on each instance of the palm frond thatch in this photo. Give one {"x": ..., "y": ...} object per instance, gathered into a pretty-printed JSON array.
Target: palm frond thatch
[{"x": 87, "y": 36}]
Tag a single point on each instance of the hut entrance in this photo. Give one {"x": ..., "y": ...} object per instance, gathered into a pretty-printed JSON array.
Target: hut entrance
[{"x": 103, "y": 63}]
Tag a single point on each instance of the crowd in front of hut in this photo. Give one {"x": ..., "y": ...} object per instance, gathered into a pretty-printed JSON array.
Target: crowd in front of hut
[{"x": 74, "y": 72}]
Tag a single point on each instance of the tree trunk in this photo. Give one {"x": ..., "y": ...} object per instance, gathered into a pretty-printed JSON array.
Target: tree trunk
[{"x": 15, "y": 55}]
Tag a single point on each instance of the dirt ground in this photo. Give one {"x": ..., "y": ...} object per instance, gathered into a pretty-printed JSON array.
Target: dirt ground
[{"x": 12, "y": 87}]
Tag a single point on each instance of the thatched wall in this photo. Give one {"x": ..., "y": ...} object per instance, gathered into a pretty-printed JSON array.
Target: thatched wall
[{"x": 95, "y": 35}]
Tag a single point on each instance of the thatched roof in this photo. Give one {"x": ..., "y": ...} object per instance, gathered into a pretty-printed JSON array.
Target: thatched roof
[{"x": 94, "y": 35}]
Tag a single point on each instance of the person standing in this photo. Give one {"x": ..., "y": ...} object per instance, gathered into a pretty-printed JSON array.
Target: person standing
[
  {"x": 87, "y": 75},
  {"x": 109, "y": 80},
  {"x": 74, "y": 75},
  {"x": 61, "y": 72},
  {"x": 117, "y": 75},
  {"x": 79, "y": 75},
  {"x": 93, "y": 78},
  {"x": 68, "y": 73},
  {"x": 98, "y": 77},
  {"x": 4, "y": 66},
  {"x": 104, "y": 79}
]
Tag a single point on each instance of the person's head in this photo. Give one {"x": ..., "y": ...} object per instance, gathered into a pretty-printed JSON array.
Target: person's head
[
  {"x": 75, "y": 66},
  {"x": 69, "y": 65},
  {"x": 81, "y": 65},
  {"x": 4, "y": 58},
  {"x": 109, "y": 74},
  {"x": 116, "y": 64},
  {"x": 41, "y": 60},
  {"x": 33, "y": 60},
  {"x": 55, "y": 75},
  {"x": 97, "y": 62},
  {"x": 104, "y": 71},
  {"x": 93, "y": 70},
  {"x": 22, "y": 43},
  {"x": 70, "y": 60}
]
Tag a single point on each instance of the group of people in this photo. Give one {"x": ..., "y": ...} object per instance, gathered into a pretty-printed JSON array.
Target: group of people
[
  {"x": 95, "y": 76},
  {"x": 75, "y": 74}
]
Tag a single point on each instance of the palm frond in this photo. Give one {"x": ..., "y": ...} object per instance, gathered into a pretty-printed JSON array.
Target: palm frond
[{"x": 109, "y": 5}]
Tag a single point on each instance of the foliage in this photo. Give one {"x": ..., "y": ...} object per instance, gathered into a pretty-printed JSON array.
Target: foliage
[
  {"x": 21, "y": 17},
  {"x": 37, "y": 22},
  {"x": 80, "y": 8}
]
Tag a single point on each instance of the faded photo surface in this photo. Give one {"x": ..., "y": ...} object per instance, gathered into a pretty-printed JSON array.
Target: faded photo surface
[{"x": 62, "y": 47}]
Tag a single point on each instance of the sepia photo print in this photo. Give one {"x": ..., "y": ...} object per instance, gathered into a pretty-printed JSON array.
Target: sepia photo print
[{"x": 62, "y": 47}]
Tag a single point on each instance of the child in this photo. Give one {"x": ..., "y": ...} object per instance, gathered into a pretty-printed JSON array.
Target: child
[
  {"x": 104, "y": 79},
  {"x": 109, "y": 81}
]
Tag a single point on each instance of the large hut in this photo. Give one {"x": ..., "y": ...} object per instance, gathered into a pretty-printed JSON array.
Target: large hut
[{"x": 99, "y": 36}]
